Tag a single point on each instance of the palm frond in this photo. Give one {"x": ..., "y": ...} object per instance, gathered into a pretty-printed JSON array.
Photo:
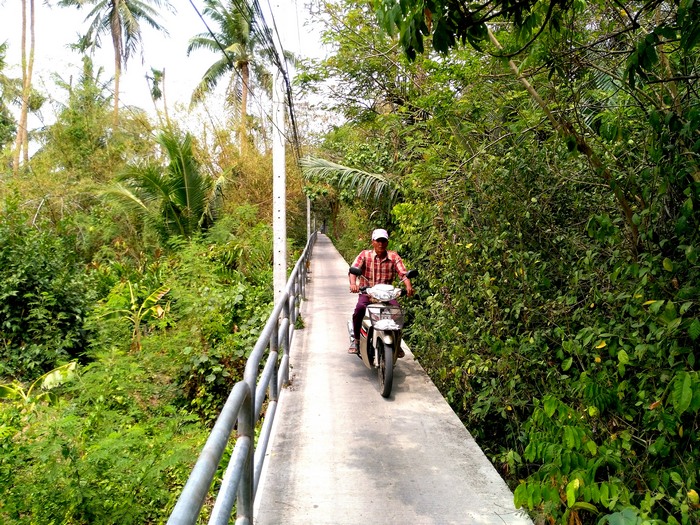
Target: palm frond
[
  {"x": 202, "y": 41},
  {"x": 189, "y": 188},
  {"x": 210, "y": 79},
  {"x": 147, "y": 181},
  {"x": 129, "y": 201},
  {"x": 126, "y": 196},
  {"x": 214, "y": 203},
  {"x": 366, "y": 186}
]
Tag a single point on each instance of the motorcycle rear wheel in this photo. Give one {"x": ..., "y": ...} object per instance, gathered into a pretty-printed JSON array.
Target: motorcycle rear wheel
[{"x": 385, "y": 371}]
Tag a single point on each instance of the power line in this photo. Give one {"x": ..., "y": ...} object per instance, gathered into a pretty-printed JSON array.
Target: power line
[
  {"x": 253, "y": 13},
  {"x": 287, "y": 82}
]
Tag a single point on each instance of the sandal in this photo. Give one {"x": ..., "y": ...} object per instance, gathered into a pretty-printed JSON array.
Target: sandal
[
  {"x": 354, "y": 348},
  {"x": 401, "y": 353}
]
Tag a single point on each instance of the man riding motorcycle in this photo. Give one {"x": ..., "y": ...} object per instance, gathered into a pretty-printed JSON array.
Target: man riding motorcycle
[{"x": 379, "y": 266}]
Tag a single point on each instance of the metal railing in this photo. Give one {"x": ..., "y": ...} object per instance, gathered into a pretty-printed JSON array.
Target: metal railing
[{"x": 242, "y": 411}]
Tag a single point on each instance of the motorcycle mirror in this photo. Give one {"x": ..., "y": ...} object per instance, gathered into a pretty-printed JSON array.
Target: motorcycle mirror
[
  {"x": 412, "y": 273},
  {"x": 355, "y": 271}
]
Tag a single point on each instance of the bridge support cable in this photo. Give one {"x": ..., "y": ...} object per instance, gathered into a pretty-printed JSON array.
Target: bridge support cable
[{"x": 242, "y": 411}]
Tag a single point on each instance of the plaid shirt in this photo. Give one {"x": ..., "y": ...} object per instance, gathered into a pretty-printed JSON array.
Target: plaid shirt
[{"x": 379, "y": 271}]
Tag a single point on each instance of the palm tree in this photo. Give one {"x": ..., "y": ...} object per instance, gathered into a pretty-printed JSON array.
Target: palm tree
[
  {"x": 122, "y": 19},
  {"x": 21, "y": 141},
  {"x": 236, "y": 41},
  {"x": 372, "y": 188},
  {"x": 179, "y": 199}
]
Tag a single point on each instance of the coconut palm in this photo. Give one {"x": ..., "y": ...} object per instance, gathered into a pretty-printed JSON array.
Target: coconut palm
[
  {"x": 22, "y": 141},
  {"x": 237, "y": 38},
  {"x": 123, "y": 20},
  {"x": 178, "y": 199}
]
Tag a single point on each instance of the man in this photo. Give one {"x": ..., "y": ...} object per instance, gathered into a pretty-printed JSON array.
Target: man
[{"x": 379, "y": 266}]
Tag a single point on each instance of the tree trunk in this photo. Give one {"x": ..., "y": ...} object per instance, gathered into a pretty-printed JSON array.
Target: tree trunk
[
  {"x": 30, "y": 74},
  {"x": 165, "y": 102},
  {"x": 245, "y": 75},
  {"x": 21, "y": 125},
  {"x": 116, "y": 29},
  {"x": 117, "y": 75}
]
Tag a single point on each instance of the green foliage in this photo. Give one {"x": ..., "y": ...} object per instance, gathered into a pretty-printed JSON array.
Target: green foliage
[
  {"x": 221, "y": 310},
  {"x": 8, "y": 126},
  {"x": 557, "y": 307},
  {"x": 80, "y": 142},
  {"x": 178, "y": 199},
  {"x": 118, "y": 442},
  {"x": 40, "y": 388},
  {"x": 45, "y": 296},
  {"x": 515, "y": 309},
  {"x": 139, "y": 311},
  {"x": 112, "y": 450},
  {"x": 10, "y": 90},
  {"x": 450, "y": 24}
]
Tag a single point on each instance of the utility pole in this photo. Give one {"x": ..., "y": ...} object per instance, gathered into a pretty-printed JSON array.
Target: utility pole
[
  {"x": 308, "y": 218},
  {"x": 279, "y": 191}
]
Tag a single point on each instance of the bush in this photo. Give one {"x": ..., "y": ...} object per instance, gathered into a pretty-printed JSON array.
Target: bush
[
  {"x": 112, "y": 450},
  {"x": 45, "y": 296}
]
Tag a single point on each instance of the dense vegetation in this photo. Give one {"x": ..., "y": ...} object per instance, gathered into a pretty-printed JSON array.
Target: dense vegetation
[
  {"x": 135, "y": 274},
  {"x": 542, "y": 171},
  {"x": 537, "y": 161}
]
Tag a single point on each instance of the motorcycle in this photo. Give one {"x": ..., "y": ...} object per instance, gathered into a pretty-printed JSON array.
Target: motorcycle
[{"x": 380, "y": 332}]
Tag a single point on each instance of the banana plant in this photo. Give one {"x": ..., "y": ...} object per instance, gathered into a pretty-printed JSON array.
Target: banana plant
[
  {"x": 40, "y": 388},
  {"x": 140, "y": 311}
]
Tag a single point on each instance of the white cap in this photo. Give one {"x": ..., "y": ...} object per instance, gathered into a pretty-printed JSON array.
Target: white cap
[{"x": 380, "y": 234}]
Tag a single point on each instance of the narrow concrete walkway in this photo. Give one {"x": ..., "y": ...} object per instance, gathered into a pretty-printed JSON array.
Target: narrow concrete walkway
[{"x": 342, "y": 454}]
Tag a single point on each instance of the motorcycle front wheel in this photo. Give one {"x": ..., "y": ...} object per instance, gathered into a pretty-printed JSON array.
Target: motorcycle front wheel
[{"x": 385, "y": 370}]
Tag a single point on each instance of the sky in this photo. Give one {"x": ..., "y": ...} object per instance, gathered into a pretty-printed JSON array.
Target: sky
[{"x": 56, "y": 28}]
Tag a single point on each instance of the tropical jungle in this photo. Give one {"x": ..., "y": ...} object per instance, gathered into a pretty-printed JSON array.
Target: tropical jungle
[{"x": 537, "y": 160}]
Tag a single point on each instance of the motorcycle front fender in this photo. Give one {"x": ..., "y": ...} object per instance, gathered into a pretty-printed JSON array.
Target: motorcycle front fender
[{"x": 386, "y": 337}]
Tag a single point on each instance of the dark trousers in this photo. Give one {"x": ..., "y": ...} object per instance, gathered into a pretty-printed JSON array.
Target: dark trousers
[{"x": 360, "y": 308}]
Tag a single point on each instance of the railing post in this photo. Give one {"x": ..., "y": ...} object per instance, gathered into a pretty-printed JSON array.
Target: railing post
[
  {"x": 195, "y": 491},
  {"x": 235, "y": 474},
  {"x": 274, "y": 339},
  {"x": 307, "y": 258},
  {"x": 246, "y": 489}
]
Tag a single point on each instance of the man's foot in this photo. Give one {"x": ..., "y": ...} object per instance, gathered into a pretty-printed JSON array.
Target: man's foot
[
  {"x": 401, "y": 353},
  {"x": 354, "y": 348}
]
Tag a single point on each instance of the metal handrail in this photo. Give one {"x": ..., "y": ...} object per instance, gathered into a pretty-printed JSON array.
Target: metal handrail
[{"x": 243, "y": 407}]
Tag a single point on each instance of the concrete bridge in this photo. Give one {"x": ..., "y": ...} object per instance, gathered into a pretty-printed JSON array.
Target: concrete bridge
[{"x": 342, "y": 454}]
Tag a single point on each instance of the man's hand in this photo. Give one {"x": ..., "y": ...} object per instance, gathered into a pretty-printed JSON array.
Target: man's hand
[
  {"x": 354, "y": 287},
  {"x": 409, "y": 288}
]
